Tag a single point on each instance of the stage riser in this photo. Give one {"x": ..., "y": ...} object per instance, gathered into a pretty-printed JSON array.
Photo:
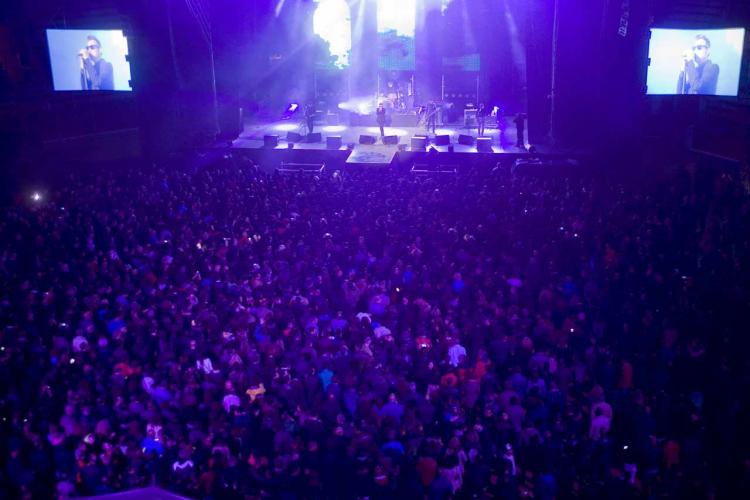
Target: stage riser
[{"x": 271, "y": 159}]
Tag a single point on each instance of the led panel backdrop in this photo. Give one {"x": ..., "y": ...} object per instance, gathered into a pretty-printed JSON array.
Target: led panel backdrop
[
  {"x": 397, "y": 20},
  {"x": 460, "y": 49},
  {"x": 697, "y": 62},
  {"x": 89, "y": 59},
  {"x": 332, "y": 24}
]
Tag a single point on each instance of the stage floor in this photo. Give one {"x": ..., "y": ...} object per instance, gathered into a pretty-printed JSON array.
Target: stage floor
[
  {"x": 252, "y": 136},
  {"x": 303, "y": 154}
]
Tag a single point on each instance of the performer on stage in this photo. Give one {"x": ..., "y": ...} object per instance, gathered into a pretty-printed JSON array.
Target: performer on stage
[
  {"x": 431, "y": 116},
  {"x": 481, "y": 115},
  {"x": 520, "y": 125},
  {"x": 310, "y": 117},
  {"x": 380, "y": 112}
]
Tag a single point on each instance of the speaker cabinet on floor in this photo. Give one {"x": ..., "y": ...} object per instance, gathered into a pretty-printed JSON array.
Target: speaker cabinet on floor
[
  {"x": 270, "y": 141},
  {"x": 333, "y": 142},
  {"x": 442, "y": 140},
  {"x": 466, "y": 140},
  {"x": 484, "y": 144},
  {"x": 418, "y": 143}
]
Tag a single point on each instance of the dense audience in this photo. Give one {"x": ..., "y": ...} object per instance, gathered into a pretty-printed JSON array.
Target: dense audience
[{"x": 224, "y": 332}]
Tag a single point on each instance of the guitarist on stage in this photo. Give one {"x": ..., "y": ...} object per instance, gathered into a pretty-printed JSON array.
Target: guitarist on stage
[
  {"x": 310, "y": 117},
  {"x": 431, "y": 116}
]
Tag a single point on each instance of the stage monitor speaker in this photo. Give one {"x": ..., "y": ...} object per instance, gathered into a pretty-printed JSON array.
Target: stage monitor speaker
[
  {"x": 270, "y": 141},
  {"x": 367, "y": 139},
  {"x": 484, "y": 144},
  {"x": 418, "y": 142},
  {"x": 390, "y": 139},
  {"x": 293, "y": 137},
  {"x": 466, "y": 140},
  {"x": 442, "y": 140},
  {"x": 314, "y": 137},
  {"x": 333, "y": 142}
]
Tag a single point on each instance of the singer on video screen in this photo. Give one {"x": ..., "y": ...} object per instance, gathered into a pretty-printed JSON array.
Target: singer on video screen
[
  {"x": 698, "y": 75},
  {"x": 96, "y": 73}
]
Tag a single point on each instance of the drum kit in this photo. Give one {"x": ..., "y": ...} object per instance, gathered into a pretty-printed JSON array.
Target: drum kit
[{"x": 394, "y": 102}]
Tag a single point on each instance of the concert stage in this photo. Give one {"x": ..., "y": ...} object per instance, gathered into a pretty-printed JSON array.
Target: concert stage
[{"x": 289, "y": 144}]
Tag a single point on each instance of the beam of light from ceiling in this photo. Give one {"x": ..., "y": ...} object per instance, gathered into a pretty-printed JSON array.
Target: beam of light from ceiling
[
  {"x": 279, "y": 7},
  {"x": 358, "y": 29},
  {"x": 517, "y": 52}
]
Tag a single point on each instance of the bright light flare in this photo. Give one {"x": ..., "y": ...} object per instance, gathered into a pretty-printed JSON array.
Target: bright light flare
[
  {"x": 332, "y": 22},
  {"x": 333, "y": 128},
  {"x": 286, "y": 127},
  {"x": 358, "y": 105},
  {"x": 444, "y": 131},
  {"x": 397, "y": 15},
  {"x": 388, "y": 131}
]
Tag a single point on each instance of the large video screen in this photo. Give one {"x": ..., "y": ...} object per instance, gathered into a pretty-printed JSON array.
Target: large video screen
[
  {"x": 460, "y": 52},
  {"x": 86, "y": 60},
  {"x": 332, "y": 24},
  {"x": 697, "y": 62},
  {"x": 397, "y": 21}
]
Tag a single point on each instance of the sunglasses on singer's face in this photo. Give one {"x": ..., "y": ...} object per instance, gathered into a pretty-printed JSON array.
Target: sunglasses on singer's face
[
  {"x": 700, "y": 47},
  {"x": 92, "y": 47}
]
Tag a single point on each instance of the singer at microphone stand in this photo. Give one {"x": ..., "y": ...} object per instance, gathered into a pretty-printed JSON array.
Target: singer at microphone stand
[{"x": 96, "y": 73}]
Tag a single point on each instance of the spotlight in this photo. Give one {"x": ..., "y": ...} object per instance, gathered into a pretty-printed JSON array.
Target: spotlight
[
  {"x": 36, "y": 196},
  {"x": 290, "y": 110}
]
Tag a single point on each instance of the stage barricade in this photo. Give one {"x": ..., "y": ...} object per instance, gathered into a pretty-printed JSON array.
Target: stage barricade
[
  {"x": 301, "y": 168},
  {"x": 427, "y": 169}
]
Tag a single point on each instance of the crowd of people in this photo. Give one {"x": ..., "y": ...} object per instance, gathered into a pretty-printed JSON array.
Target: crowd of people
[{"x": 228, "y": 332}]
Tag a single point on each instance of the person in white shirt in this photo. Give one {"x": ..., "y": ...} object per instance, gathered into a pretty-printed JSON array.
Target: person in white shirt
[{"x": 455, "y": 353}]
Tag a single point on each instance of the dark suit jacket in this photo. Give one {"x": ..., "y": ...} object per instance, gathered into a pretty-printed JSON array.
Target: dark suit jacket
[
  {"x": 380, "y": 116},
  {"x": 97, "y": 75},
  {"x": 698, "y": 78}
]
